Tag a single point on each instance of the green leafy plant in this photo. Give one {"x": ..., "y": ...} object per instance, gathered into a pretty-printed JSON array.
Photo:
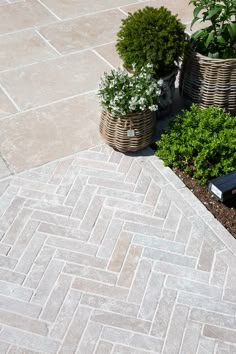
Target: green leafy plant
[
  {"x": 152, "y": 35},
  {"x": 218, "y": 40},
  {"x": 121, "y": 92},
  {"x": 201, "y": 142}
]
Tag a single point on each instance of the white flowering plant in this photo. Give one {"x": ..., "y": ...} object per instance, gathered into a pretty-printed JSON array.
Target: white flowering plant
[{"x": 121, "y": 92}]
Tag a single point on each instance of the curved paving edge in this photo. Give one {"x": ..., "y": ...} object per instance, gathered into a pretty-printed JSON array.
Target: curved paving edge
[
  {"x": 102, "y": 252},
  {"x": 203, "y": 215}
]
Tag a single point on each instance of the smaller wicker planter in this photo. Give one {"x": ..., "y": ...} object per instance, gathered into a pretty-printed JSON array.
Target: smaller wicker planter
[
  {"x": 209, "y": 81},
  {"x": 117, "y": 131}
]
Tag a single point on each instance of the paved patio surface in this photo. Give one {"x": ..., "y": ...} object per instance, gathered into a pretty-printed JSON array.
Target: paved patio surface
[
  {"x": 53, "y": 53},
  {"x": 100, "y": 252}
]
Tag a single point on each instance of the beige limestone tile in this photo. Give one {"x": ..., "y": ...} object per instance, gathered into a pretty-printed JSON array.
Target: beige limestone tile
[
  {"x": 38, "y": 136},
  {"x": 83, "y": 32},
  {"x": 120, "y": 252},
  {"x": 28, "y": 47},
  {"x": 53, "y": 80},
  {"x": 108, "y": 52},
  {"x": 73, "y": 8},
  {"x": 177, "y": 7},
  {"x": 6, "y": 106},
  {"x": 120, "y": 321},
  {"x": 222, "y": 334},
  {"x": 24, "y": 14},
  {"x": 130, "y": 265}
]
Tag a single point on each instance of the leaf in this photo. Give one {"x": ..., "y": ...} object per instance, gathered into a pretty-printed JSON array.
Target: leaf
[
  {"x": 214, "y": 12},
  {"x": 209, "y": 39},
  {"x": 220, "y": 39},
  {"x": 231, "y": 27},
  {"x": 215, "y": 55},
  {"x": 197, "y": 10},
  {"x": 194, "y": 21},
  {"x": 198, "y": 34}
]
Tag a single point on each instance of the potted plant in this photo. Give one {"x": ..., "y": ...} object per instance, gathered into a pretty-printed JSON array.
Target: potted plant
[
  {"x": 128, "y": 101},
  {"x": 208, "y": 74},
  {"x": 153, "y": 35}
]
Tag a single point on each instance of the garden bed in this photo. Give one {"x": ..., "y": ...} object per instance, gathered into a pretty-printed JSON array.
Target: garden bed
[{"x": 224, "y": 213}]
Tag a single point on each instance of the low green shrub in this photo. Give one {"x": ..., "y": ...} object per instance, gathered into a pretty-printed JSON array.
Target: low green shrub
[{"x": 201, "y": 142}]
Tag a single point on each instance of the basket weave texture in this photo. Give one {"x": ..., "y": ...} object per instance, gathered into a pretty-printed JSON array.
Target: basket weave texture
[
  {"x": 115, "y": 130},
  {"x": 209, "y": 81}
]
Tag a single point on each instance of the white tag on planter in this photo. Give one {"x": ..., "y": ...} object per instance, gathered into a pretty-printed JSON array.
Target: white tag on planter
[{"x": 130, "y": 133}]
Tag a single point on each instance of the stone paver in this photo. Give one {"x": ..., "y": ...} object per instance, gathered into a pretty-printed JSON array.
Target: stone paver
[
  {"x": 100, "y": 275},
  {"x": 100, "y": 252},
  {"x": 23, "y": 134}
]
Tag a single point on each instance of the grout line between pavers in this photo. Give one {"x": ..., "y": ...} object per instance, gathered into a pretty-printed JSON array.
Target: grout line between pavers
[
  {"x": 7, "y": 165},
  {"x": 46, "y": 105},
  {"x": 47, "y": 42},
  {"x": 11, "y": 99},
  {"x": 102, "y": 58},
  {"x": 123, "y": 12},
  {"x": 49, "y": 10}
]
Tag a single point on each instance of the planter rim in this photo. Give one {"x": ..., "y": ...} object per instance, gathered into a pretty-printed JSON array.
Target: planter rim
[
  {"x": 204, "y": 57},
  {"x": 125, "y": 116}
]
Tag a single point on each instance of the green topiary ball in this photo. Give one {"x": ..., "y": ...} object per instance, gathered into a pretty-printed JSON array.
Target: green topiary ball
[{"x": 152, "y": 35}]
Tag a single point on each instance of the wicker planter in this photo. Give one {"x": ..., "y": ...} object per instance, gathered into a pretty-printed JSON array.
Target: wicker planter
[
  {"x": 209, "y": 81},
  {"x": 132, "y": 132}
]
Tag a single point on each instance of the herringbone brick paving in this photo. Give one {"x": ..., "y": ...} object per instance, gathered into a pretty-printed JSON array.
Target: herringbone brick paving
[{"x": 108, "y": 253}]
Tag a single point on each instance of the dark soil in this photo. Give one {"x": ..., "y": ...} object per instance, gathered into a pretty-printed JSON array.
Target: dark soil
[{"x": 225, "y": 213}]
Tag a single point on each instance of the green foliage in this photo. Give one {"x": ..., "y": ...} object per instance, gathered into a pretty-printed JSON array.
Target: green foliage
[
  {"x": 201, "y": 142},
  {"x": 218, "y": 40},
  {"x": 121, "y": 93},
  {"x": 152, "y": 36}
]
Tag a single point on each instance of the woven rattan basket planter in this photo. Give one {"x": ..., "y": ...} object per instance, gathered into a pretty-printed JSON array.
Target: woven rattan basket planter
[
  {"x": 117, "y": 131},
  {"x": 209, "y": 81}
]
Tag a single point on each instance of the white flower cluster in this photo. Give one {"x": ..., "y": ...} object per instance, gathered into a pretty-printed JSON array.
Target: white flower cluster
[{"x": 121, "y": 93}]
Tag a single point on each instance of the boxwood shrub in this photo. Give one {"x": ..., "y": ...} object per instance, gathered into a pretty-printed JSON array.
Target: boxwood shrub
[
  {"x": 152, "y": 35},
  {"x": 201, "y": 142}
]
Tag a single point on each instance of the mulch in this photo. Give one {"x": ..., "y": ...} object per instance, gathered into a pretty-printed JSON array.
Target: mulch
[{"x": 224, "y": 213}]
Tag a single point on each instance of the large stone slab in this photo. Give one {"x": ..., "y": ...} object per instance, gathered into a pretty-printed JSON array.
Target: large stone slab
[
  {"x": 83, "y": 32},
  {"x": 28, "y": 47},
  {"x": 42, "y": 135},
  {"x": 23, "y": 14},
  {"x": 54, "y": 80}
]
